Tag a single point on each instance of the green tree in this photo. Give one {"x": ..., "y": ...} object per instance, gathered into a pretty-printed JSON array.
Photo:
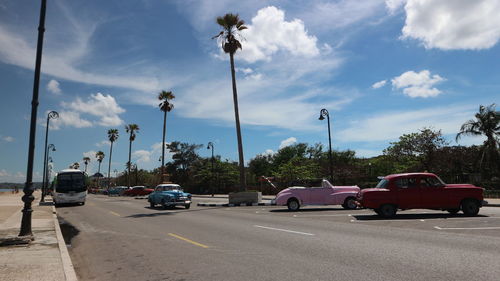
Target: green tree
[
  {"x": 417, "y": 148},
  {"x": 100, "y": 156},
  {"x": 112, "y": 137},
  {"x": 86, "y": 161},
  {"x": 132, "y": 129},
  {"x": 165, "y": 106},
  {"x": 231, "y": 26},
  {"x": 486, "y": 123}
]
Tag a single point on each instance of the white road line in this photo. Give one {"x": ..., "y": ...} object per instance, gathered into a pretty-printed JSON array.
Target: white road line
[
  {"x": 310, "y": 216},
  {"x": 284, "y": 230},
  {"x": 465, "y": 228},
  {"x": 384, "y": 220}
]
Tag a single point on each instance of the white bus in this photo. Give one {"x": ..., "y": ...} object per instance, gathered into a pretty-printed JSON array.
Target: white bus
[{"x": 69, "y": 186}]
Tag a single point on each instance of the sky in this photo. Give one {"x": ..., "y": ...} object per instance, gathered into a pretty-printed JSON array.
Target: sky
[{"x": 381, "y": 69}]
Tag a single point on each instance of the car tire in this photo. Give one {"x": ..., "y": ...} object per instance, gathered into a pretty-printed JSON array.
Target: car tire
[
  {"x": 187, "y": 206},
  {"x": 453, "y": 211},
  {"x": 293, "y": 205},
  {"x": 151, "y": 204},
  {"x": 350, "y": 203},
  {"x": 164, "y": 204},
  {"x": 83, "y": 203},
  {"x": 470, "y": 207},
  {"x": 387, "y": 211}
]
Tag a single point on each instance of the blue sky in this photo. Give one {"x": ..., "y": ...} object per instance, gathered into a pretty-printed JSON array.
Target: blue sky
[{"x": 381, "y": 68}]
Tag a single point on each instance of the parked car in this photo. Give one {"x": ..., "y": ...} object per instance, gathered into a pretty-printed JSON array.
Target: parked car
[
  {"x": 137, "y": 191},
  {"x": 117, "y": 190},
  {"x": 169, "y": 195},
  {"x": 325, "y": 194},
  {"x": 420, "y": 191}
]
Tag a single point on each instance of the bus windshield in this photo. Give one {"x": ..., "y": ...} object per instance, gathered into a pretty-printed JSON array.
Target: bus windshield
[{"x": 67, "y": 182}]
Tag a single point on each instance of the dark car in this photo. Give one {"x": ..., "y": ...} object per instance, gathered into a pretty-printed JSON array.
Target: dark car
[{"x": 420, "y": 191}]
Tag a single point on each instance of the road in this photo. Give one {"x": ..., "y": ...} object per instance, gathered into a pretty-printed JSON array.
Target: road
[{"x": 123, "y": 239}]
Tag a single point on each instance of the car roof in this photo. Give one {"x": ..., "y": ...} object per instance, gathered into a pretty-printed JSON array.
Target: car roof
[
  {"x": 168, "y": 184},
  {"x": 409, "y": 174}
]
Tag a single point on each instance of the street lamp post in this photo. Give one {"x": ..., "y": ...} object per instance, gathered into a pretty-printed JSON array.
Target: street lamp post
[
  {"x": 211, "y": 146},
  {"x": 322, "y": 115},
  {"x": 28, "y": 187},
  {"x": 51, "y": 115},
  {"x": 45, "y": 174}
]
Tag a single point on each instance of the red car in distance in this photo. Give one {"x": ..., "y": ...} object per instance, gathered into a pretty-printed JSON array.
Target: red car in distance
[
  {"x": 138, "y": 191},
  {"x": 420, "y": 191}
]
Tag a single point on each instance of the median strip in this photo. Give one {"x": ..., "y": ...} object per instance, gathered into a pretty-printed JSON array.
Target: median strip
[
  {"x": 189, "y": 241},
  {"x": 284, "y": 230}
]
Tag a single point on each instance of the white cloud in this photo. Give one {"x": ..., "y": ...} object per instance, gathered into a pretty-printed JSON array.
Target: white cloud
[
  {"x": 53, "y": 87},
  {"x": 394, "y": 5},
  {"x": 69, "y": 119},
  {"x": 103, "y": 107},
  {"x": 245, "y": 71},
  {"x": 418, "y": 84},
  {"x": 8, "y": 139},
  {"x": 390, "y": 125},
  {"x": 289, "y": 141},
  {"x": 268, "y": 152},
  {"x": 379, "y": 84},
  {"x": 151, "y": 158},
  {"x": 4, "y": 173},
  {"x": 453, "y": 25},
  {"x": 102, "y": 143},
  {"x": 261, "y": 42}
]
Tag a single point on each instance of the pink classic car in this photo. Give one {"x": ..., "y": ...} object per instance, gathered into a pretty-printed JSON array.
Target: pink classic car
[{"x": 326, "y": 194}]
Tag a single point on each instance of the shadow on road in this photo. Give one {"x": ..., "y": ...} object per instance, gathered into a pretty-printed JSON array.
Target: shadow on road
[
  {"x": 375, "y": 217},
  {"x": 171, "y": 211}
]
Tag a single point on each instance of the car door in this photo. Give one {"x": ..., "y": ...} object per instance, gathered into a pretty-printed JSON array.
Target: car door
[
  {"x": 318, "y": 195},
  {"x": 433, "y": 193},
  {"x": 408, "y": 191}
]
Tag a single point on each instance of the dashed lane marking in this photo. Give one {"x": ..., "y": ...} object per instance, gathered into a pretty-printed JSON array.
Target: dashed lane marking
[
  {"x": 189, "y": 241},
  {"x": 113, "y": 213},
  {"x": 466, "y": 228},
  {"x": 285, "y": 230}
]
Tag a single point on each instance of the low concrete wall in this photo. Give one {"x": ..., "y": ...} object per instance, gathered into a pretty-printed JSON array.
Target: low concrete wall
[{"x": 245, "y": 197}]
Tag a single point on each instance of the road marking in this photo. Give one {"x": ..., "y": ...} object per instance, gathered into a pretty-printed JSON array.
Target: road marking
[
  {"x": 381, "y": 219},
  {"x": 189, "y": 241},
  {"x": 310, "y": 216},
  {"x": 466, "y": 228},
  {"x": 285, "y": 230},
  {"x": 116, "y": 214}
]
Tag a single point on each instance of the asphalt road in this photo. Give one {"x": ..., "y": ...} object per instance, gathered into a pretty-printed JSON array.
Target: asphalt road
[{"x": 123, "y": 239}]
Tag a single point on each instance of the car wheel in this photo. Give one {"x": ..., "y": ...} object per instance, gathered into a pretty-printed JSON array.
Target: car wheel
[
  {"x": 387, "y": 211},
  {"x": 83, "y": 203},
  {"x": 470, "y": 207},
  {"x": 151, "y": 204},
  {"x": 350, "y": 203},
  {"x": 187, "y": 206},
  {"x": 453, "y": 211},
  {"x": 293, "y": 205},
  {"x": 164, "y": 204}
]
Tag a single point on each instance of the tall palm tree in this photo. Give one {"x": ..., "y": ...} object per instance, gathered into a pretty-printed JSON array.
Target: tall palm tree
[
  {"x": 231, "y": 26},
  {"x": 100, "y": 156},
  {"x": 86, "y": 161},
  {"x": 165, "y": 106},
  {"x": 487, "y": 123},
  {"x": 112, "y": 137},
  {"x": 132, "y": 129}
]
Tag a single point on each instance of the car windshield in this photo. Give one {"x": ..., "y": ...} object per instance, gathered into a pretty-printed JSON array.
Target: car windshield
[
  {"x": 382, "y": 183},
  {"x": 168, "y": 188},
  {"x": 70, "y": 182}
]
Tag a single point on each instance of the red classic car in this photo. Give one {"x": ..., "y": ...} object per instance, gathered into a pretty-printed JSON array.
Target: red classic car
[
  {"x": 138, "y": 191},
  {"x": 420, "y": 191}
]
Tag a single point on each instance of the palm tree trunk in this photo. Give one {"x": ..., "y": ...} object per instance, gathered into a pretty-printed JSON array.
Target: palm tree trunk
[
  {"x": 163, "y": 146},
  {"x": 129, "y": 155},
  {"x": 109, "y": 165},
  {"x": 98, "y": 171},
  {"x": 243, "y": 186}
]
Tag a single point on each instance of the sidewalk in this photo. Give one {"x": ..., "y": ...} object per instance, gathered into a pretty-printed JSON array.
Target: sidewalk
[{"x": 44, "y": 258}]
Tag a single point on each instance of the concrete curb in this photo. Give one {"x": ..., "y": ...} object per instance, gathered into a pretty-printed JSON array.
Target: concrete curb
[
  {"x": 234, "y": 205},
  {"x": 69, "y": 270}
]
